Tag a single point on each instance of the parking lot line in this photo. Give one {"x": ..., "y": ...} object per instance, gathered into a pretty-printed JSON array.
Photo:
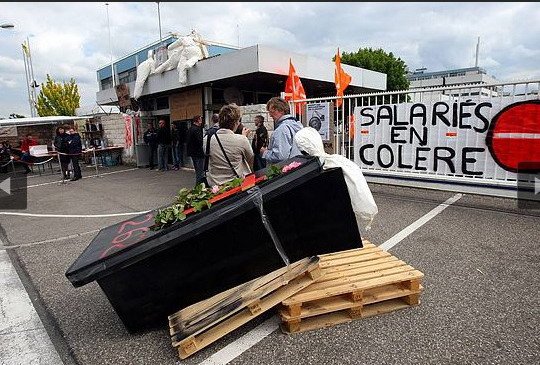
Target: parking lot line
[
  {"x": 398, "y": 237},
  {"x": 43, "y": 215}
]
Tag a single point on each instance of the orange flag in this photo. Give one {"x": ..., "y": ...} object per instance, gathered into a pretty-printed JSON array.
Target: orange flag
[
  {"x": 342, "y": 79},
  {"x": 294, "y": 89}
]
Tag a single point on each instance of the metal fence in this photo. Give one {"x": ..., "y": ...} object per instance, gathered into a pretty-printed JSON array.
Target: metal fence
[{"x": 444, "y": 136}]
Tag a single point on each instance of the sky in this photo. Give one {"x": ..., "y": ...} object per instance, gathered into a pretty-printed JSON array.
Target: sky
[{"x": 70, "y": 40}]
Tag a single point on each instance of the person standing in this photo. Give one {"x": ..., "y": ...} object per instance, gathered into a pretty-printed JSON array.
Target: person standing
[
  {"x": 260, "y": 140},
  {"x": 164, "y": 144},
  {"x": 230, "y": 154},
  {"x": 282, "y": 145},
  {"x": 150, "y": 138},
  {"x": 175, "y": 134},
  {"x": 62, "y": 146},
  {"x": 75, "y": 150},
  {"x": 195, "y": 148},
  {"x": 215, "y": 125}
]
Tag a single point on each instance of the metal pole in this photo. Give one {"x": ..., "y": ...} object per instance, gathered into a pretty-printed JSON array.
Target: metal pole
[
  {"x": 159, "y": 22},
  {"x": 110, "y": 48},
  {"x": 27, "y": 82},
  {"x": 95, "y": 160},
  {"x": 477, "y": 50},
  {"x": 61, "y": 169},
  {"x": 33, "y": 82}
]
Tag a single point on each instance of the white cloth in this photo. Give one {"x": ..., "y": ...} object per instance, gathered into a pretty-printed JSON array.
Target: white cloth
[{"x": 309, "y": 140}]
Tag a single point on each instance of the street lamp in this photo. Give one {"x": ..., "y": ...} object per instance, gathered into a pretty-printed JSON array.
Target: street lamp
[{"x": 7, "y": 26}]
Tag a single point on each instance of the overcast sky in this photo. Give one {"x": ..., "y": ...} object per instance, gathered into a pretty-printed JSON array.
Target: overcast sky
[{"x": 71, "y": 39}]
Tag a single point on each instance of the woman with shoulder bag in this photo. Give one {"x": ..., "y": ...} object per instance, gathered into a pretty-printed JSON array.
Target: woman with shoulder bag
[{"x": 229, "y": 155}]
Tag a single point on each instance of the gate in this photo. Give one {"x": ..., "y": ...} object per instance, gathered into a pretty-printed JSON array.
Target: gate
[{"x": 467, "y": 138}]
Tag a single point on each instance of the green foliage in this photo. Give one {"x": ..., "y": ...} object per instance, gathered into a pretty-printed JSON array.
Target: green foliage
[
  {"x": 274, "y": 171},
  {"x": 197, "y": 198},
  {"x": 380, "y": 61},
  {"x": 58, "y": 99}
]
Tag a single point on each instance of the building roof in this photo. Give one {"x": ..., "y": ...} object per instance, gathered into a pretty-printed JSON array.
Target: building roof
[
  {"x": 251, "y": 61},
  {"x": 37, "y": 120}
]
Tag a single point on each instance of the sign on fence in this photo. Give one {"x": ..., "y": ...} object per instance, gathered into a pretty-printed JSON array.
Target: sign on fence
[{"x": 473, "y": 137}]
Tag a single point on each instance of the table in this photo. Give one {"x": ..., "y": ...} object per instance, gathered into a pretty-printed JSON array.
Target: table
[{"x": 102, "y": 153}]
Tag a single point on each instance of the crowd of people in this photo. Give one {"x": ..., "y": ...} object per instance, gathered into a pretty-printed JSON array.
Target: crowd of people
[
  {"x": 224, "y": 151},
  {"x": 67, "y": 142}
]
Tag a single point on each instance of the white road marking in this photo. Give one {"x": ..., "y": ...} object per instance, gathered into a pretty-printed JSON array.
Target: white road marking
[
  {"x": 23, "y": 338},
  {"x": 76, "y": 235},
  {"x": 72, "y": 215},
  {"x": 84, "y": 177},
  {"x": 236, "y": 348},
  {"x": 398, "y": 237}
]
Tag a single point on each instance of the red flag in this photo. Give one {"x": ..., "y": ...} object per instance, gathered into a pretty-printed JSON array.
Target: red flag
[
  {"x": 294, "y": 89},
  {"x": 342, "y": 79}
]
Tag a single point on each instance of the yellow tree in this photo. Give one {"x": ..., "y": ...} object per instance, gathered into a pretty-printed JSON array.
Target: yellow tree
[{"x": 58, "y": 99}]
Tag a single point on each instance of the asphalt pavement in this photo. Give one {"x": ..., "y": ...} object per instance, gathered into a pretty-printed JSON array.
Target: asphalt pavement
[{"x": 480, "y": 257}]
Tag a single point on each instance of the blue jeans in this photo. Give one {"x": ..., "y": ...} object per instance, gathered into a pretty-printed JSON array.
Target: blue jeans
[
  {"x": 163, "y": 156},
  {"x": 178, "y": 155},
  {"x": 198, "y": 164}
]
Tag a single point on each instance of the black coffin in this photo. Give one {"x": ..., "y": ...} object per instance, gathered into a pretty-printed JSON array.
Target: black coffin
[{"x": 147, "y": 275}]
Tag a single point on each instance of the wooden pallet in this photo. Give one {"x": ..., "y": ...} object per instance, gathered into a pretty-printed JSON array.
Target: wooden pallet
[
  {"x": 200, "y": 324},
  {"x": 354, "y": 284}
]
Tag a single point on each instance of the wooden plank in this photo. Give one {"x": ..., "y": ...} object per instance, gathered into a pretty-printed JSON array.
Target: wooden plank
[
  {"x": 204, "y": 338},
  {"x": 376, "y": 265},
  {"x": 366, "y": 261},
  {"x": 341, "y": 302},
  {"x": 349, "y": 258},
  {"x": 202, "y": 316},
  {"x": 360, "y": 282},
  {"x": 343, "y": 316}
]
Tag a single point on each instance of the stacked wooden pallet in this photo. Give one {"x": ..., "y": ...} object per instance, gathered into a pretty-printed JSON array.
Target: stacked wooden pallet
[
  {"x": 313, "y": 293},
  {"x": 354, "y": 284},
  {"x": 200, "y": 324}
]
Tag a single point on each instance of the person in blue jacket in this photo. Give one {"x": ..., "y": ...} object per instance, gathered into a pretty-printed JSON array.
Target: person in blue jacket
[{"x": 282, "y": 145}]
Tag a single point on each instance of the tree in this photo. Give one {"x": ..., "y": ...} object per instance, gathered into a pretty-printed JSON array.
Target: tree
[
  {"x": 378, "y": 60},
  {"x": 58, "y": 99}
]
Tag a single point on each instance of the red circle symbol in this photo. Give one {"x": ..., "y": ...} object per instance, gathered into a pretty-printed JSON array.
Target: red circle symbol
[{"x": 514, "y": 135}]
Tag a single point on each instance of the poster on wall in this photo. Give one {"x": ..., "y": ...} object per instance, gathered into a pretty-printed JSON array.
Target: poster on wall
[
  {"x": 480, "y": 138},
  {"x": 10, "y": 131},
  {"x": 318, "y": 117}
]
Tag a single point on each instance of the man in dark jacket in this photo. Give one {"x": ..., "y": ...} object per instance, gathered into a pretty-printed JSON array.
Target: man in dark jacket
[
  {"x": 150, "y": 138},
  {"x": 260, "y": 139},
  {"x": 195, "y": 148},
  {"x": 75, "y": 151},
  {"x": 164, "y": 145}
]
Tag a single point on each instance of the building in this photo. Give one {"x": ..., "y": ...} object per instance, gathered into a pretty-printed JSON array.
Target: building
[
  {"x": 248, "y": 76},
  {"x": 475, "y": 80}
]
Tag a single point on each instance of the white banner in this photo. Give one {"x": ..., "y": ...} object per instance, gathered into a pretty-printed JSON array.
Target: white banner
[{"x": 482, "y": 137}]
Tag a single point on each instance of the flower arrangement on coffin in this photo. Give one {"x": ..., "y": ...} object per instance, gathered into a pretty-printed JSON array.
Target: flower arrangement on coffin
[{"x": 200, "y": 197}]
